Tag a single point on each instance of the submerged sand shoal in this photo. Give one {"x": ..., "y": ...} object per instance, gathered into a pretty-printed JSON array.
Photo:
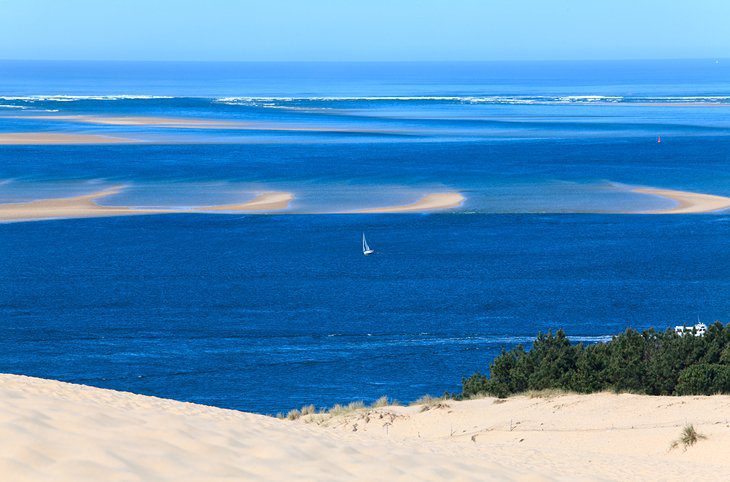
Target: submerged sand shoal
[
  {"x": 51, "y": 430},
  {"x": 86, "y": 206},
  {"x": 193, "y": 123},
  {"x": 265, "y": 202},
  {"x": 687, "y": 202},
  {"x": 430, "y": 202},
  {"x": 52, "y": 138}
]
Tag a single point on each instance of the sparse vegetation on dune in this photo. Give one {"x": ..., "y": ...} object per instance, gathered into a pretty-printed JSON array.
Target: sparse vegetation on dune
[
  {"x": 649, "y": 362},
  {"x": 427, "y": 402},
  {"x": 339, "y": 409},
  {"x": 688, "y": 438}
]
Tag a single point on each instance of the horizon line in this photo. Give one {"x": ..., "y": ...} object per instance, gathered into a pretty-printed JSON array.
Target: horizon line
[{"x": 392, "y": 61}]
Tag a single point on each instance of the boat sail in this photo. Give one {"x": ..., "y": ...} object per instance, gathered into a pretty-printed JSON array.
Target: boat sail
[{"x": 365, "y": 248}]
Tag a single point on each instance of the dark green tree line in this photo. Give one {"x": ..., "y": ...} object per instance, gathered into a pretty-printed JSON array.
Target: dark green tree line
[{"x": 649, "y": 362}]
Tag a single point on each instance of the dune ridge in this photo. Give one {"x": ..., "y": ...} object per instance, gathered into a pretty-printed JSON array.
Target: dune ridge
[
  {"x": 687, "y": 202},
  {"x": 51, "y": 430},
  {"x": 86, "y": 206}
]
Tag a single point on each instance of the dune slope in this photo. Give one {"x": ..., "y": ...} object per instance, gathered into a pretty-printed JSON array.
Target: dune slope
[{"x": 51, "y": 430}]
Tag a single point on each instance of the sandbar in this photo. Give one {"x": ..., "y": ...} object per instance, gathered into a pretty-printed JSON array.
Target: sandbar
[
  {"x": 32, "y": 138},
  {"x": 687, "y": 202},
  {"x": 191, "y": 123},
  {"x": 86, "y": 206},
  {"x": 430, "y": 202}
]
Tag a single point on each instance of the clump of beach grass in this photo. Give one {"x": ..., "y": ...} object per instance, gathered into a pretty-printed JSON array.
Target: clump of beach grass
[
  {"x": 688, "y": 438},
  {"x": 297, "y": 413},
  {"x": 428, "y": 402},
  {"x": 338, "y": 409},
  {"x": 384, "y": 401},
  {"x": 547, "y": 393},
  {"x": 308, "y": 410}
]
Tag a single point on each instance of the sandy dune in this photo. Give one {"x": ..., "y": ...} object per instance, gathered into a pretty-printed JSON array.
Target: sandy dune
[
  {"x": 51, "y": 430},
  {"x": 55, "y": 431},
  {"x": 687, "y": 202},
  {"x": 430, "y": 202},
  {"x": 32, "y": 138},
  {"x": 86, "y": 206},
  {"x": 579, "y": 437}
]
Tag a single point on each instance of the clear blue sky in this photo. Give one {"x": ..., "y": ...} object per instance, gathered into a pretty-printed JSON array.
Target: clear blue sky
[{"x": 363, "y": 30}]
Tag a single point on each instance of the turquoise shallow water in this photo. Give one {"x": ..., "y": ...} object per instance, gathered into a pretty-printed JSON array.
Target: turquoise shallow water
[
  {"x": 513, "y": 137},
  {"x": 265, "y": 313}
]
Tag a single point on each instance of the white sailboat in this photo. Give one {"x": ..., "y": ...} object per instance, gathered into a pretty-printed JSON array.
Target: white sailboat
[{"x": 365, "y": 248}]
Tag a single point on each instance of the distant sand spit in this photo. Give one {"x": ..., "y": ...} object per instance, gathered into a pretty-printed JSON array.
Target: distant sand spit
[
  {"x": 41, "y": 138},
  {"x": 51, "y": 430},
  {"x": 190, "y": 123},
  {"x": 173, "y": 122},
  {"x": 86, "y": 206},
  {"x": 430, "y": 202},
  {"x": 269, "y": 201},
  {"x": 687, "y": 202}
]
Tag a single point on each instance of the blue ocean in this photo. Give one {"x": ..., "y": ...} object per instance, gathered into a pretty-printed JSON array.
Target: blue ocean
[{"x": 269, "y": 312}]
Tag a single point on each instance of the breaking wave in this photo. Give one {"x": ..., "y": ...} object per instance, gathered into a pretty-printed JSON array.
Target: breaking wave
[
  {"x": 73, "y": 98},
  {"x": 491, "y": 99}
]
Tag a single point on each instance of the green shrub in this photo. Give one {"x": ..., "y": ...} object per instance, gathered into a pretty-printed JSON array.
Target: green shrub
[
  {"x": 704, "y": 379},
  {"x": 655, "y": 363}
]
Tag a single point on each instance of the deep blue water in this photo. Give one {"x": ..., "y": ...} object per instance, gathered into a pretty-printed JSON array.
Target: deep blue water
[{"x": 266, "y": 313}]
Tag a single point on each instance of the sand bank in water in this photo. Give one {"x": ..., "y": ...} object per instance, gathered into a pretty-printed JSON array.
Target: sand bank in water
[
  {"x": 190, "y": 123},
  {"x": 430, "y": 202},
  {"x": 86, "y": 206},
  {"x": 51, "y": 430},
  {"x": 687, "y": 202},
  {"x": 31, "y": 138}
]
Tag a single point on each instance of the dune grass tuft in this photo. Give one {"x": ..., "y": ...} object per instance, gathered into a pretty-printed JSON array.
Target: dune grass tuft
[
  {"x": 338, "y": 409},
  {"x": 308, "y": 410},
  {"x": 547, "y": 393},
  {"x": 427, "y": 402},
  {"x": 381, "y": 402},
  {"x": 688, "y": 438}
]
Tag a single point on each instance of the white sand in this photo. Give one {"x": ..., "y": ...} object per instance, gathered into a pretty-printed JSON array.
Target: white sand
[
  {"x": 56, "y": 431},
  {"x": 86, "y": 206},
  {"x": 430, "y": 202},
  {"x": 585, "y": 437},
  {"x": 687, "y": 202}
]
